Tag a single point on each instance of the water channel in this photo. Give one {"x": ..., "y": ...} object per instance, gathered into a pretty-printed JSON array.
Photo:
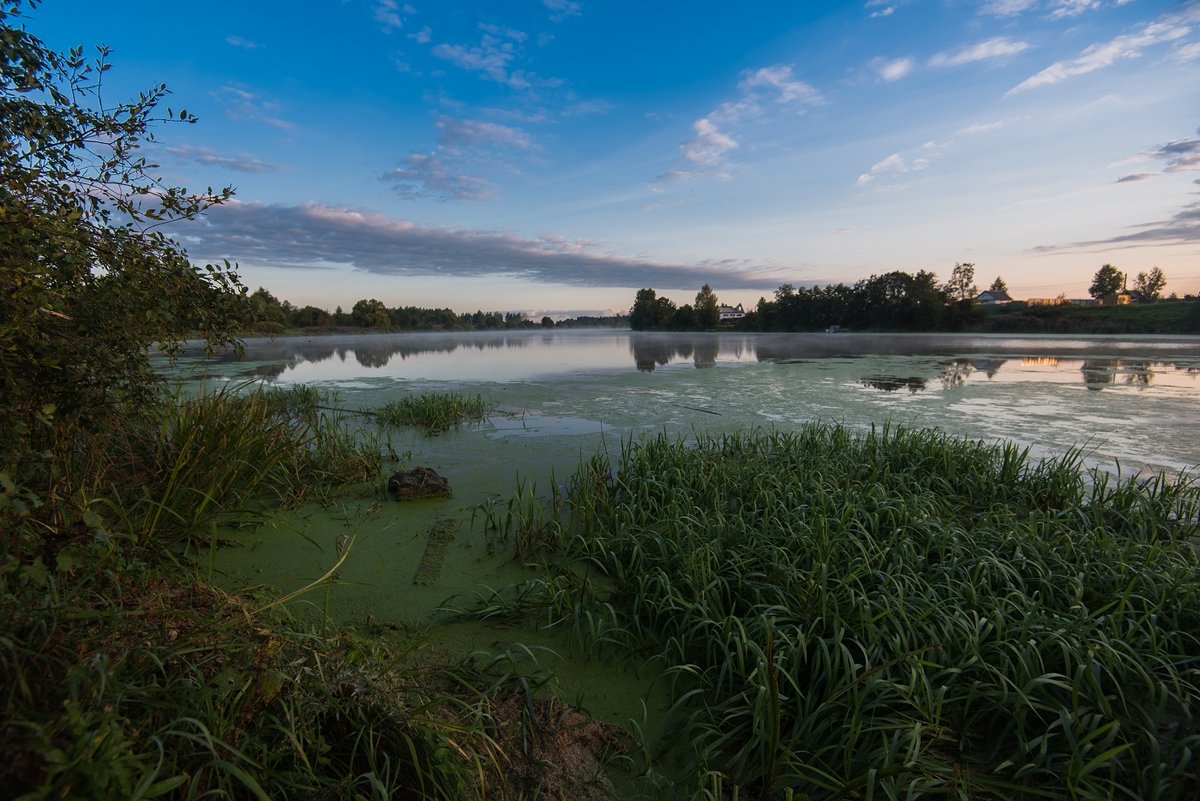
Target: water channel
[{"x": 1131, "y": 404}]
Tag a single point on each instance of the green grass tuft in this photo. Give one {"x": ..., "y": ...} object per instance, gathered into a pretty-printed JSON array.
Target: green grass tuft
[{"x": 433, "y": 412}]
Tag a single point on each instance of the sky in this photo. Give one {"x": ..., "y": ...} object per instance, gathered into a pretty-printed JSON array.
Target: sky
[{"x": 553, "y": 156}]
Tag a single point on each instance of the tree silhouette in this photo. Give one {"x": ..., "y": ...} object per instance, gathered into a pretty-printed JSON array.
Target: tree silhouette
[
  {"x": 1150, "y": 285},
  {"x": 1107, "y": 282}
]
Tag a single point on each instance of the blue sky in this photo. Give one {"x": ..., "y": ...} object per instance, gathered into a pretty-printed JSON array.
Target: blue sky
[{"x": 553, "y": 156}]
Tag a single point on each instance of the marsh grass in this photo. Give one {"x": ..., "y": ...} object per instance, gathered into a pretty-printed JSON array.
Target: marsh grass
[
  {"x": 126, "y": 676},
  {"x": 122, "y": 682},
  {"x": 890, "y": 614},
  {"x": 433, "y": 412},
  {"x": 224, "y": 456}
]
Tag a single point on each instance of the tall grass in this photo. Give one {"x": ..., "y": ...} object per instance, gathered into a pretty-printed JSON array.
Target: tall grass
[
  {"x": 433, "y": 412},
  {"x": 892, "y": 614},
  {"x": 124, "y": 682},
  {"x": 222, "y": 457},
  {"x": 124, "y": 676}
]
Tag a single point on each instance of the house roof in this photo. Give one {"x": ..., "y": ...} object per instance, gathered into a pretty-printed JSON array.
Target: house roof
[{"x": 993, "y": 294}]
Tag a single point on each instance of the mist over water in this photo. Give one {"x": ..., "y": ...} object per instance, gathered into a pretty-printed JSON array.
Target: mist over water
[{"x": 1130, "y": 400}]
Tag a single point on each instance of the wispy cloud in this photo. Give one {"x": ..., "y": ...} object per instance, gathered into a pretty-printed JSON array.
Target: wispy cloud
[
  {"x": 210, "y": 158},
  {"x": 981, "y": 127},
  {"x": 563, "y": 9},
  {"x": 429, "y": 175},
  {"x": 1179, "y": 155},
  {"x": 779, "y": 77},
  {"x": 1186, "y": 53},
  {"x": 387, "y": 14},
  {"x": 706, "y": 152},
  {"x": 449, "y": 171},
  {"x": 1182, "y": 155},
  {"x": 1182, "y": 228},
  {"x": 1006, "y": 8},
  {"x": 239, "y": 103},
  {"x": 894, "y": 164},
  {"x": 313, "y": 235},
  {"x": 238, "y": 41},
  {"x": 494, "y": 57},
  {"x": 1105, "y": 54},
  {"x": 882, "y": 8},
  {"x": 1055, "y": 9},
  {"x": 892, "y": 69},
  {"x": 709, "y": 145},
  {"x": 458, "y": 133},
  {"x": 583, "y": 108},
  {"x": 996, "y": 47},
  {"x": 1071, "y": 8}
]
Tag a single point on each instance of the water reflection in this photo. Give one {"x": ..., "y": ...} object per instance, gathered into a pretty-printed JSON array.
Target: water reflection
[
  {"x": 892, "y": 383},
  {"x": 1100, "y": 373},
  {"x": 952, "y": 361},
  {"x": 1097, "y": 374},
  {"x": 651, "y": 351}
]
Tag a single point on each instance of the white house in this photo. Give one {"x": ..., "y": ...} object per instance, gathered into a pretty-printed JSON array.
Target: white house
[
  {"x": 732, "y": 312},
  {"x": 993, "y": 297}
]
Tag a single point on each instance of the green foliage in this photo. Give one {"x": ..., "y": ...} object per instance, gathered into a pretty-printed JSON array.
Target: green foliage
[
  {"x": 650, "y": 312},
  {"x": 708, "y": 310},
  {"x": 433, "y": 412},
  {"x": 1107, "y": 282},
  {"x": 893, "y": 301},
  {"x": 891, "y": 614},
  {"x": 125, "y": 682},
  {"x": 998, "y": 286},
  {"x": 370, "y": 314},
  {"x": 88, "y": 281},
  {"x": 222, "y": 457},
  {"x": 1166, "y": 317},
  {"x": 961, "y": 286},
  {"x": 267, "y": 314},
  {"x": 1150, "y": 284}
]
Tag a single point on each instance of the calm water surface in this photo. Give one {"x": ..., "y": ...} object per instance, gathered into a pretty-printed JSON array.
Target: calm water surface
[{"x": 1132, "y": 401}]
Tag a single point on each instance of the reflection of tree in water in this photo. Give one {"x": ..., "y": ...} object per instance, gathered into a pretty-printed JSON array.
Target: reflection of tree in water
[
  {"x": 893, "y": 383},
  {"x": 268, "y": 371},
  {"x": 373, "y": 356},
  {"x": 1099, "y": 373},
  {"x": 371, "y": 351},
  {"x": 956, "y": 372},
  {"x": 1139, "y": 373},
  {"x": 651, "y": 353}
]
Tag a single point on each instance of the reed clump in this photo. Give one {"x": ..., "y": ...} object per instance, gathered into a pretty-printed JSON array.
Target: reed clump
[
  {"x": 433, "y": 412},
  {"x": 223, "y": 456},
  {"x": 891, "y": 614}
]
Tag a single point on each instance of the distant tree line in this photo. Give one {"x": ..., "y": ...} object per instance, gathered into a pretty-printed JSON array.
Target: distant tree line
[
  {"x": 268, "y": 314},
  {"x": 895, "y": 301}
]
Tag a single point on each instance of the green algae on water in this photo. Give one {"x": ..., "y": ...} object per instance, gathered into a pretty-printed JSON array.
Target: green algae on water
[{"x": 440, "y": 535}]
